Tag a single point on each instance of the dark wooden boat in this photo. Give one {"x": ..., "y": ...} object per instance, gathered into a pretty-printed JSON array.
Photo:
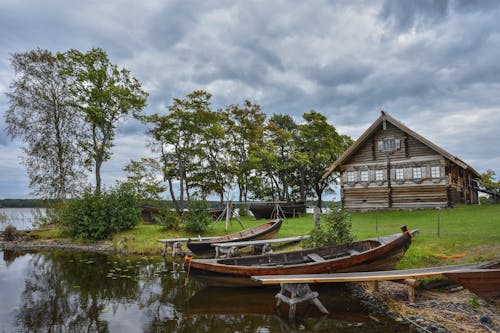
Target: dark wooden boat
[
  {"x": 271, "y": 210},
  {"x": 382, "y": 253},
  {"x": 147, "y": 214},
  {"x": 264, "y": 231},
  {"x": 483, "y": 281}
]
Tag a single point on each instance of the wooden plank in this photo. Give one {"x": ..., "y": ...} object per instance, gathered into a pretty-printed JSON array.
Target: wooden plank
[
  {"x": 260, "y": 242},
  {"x": 172, "y": 240},
  {"x": 362, "y": 276},
  {"x": 316, "y": 257}
]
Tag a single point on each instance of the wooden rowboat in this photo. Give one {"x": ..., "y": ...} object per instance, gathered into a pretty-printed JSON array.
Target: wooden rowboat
[
  {"x": 271, "y": 210},
  {"x": 264, "y": 231},
  {"x": 382, "y": 253},
  {"x": 483, "y": 281}
]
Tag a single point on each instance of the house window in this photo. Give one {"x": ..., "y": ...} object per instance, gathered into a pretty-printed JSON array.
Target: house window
[
  {"x": 417, "y": 173},
  {"x": 389, "y": 144},
  {"x": 351, "y": 176},
  {"x": 400, "y": 174},
  {"x": 379, "y": 174},
  {"x": 364, "y": 176},
  {"x": 436, "y": 172}
]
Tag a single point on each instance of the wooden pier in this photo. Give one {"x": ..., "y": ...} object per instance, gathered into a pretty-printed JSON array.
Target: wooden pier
[
  {"x": 298, "y": 285},
  {"x": 176, "y": 244}
]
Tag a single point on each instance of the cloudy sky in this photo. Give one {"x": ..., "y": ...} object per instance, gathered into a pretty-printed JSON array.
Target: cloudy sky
[{"x": 434, "y": 65}]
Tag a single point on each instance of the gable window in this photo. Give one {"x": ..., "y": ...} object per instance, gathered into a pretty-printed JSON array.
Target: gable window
[
  {"x": 379, "y": 174},
  {"x": 436, "y": 172},
  {"x": 364, "y": 176},
  {"x": 417, "y": 173},
  {"x": 389, "y": 144},
  {"x": 400, "y": 175},
  {"x": 351, "y": 176}
]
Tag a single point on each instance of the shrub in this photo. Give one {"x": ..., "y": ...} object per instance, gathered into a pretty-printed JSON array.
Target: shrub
[
  {"x": 334, "y": 228},
  {"x": 167, "y": 219},
  {"x": 98, "y": 215},
  {"x": 197, "y": 219}
]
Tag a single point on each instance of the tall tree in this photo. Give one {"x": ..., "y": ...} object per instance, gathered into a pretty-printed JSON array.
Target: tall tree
[
  {"x": 244, "y": 135},
  {"x": 319, "y": 145},
  {"x": 213, "y": 174},
  {"x": 277, "y": 156},
  {"x": 106, "y": 95},
  {"x": 176, "y": 136},
  {"x": 42, "y": 116}
]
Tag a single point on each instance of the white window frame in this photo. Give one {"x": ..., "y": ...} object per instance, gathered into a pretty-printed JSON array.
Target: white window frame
[
  {"x": 365, "y": 176},
  {"x": 435, "y": 172},
  {"x": 379, "y": 174},
  {"x": 417, "y": 172},
  {"x": 351, "y": 176},
  {"x": 399, "y": 173}
]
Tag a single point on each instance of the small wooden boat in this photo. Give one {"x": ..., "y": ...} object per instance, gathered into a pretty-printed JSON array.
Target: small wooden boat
[
  {"x": 263, "y": 231},
  {"x": 147, "y": 214},
  {"x": 483, "y": 281},
  {"x": 382, "y": 253},
  {"x": 271, "y": 210}
]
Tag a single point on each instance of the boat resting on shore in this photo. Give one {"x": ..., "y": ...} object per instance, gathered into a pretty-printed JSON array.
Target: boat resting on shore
[
  {"x": 374, "y": 254},
  {"x": 264, "y": 231},
  {"x": 483, "y": 281}
]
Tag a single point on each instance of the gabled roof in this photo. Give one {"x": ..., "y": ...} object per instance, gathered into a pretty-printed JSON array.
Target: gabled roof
[{"x": 385, "y": 117}]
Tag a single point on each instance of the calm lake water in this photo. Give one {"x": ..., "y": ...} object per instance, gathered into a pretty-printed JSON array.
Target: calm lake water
[
  {"x": 82, "y": 292},
  {"x": 21, "y": 218}
]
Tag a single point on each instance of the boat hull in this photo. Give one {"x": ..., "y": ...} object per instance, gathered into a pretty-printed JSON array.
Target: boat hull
[
  {"x": 204, "y": 249},
  {"x": 484, "y": 281},
  {"x": 269, "y": 211},
  {"x": 381, "y": 257}
]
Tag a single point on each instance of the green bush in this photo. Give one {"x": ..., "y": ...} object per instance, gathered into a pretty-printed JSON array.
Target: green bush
[
  {"x": 334, "y": 228},
  {"x": 167, "y": 218},
  {"x": 98, "y": 215},
  {"x": 197, "y": 219}
]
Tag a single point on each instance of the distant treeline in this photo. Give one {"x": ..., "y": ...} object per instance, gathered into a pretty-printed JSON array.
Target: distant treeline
[{"x": 25, "y": 203}]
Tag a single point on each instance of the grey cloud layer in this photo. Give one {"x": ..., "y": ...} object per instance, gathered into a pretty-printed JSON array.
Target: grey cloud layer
[{"x": 429, "y": 63}]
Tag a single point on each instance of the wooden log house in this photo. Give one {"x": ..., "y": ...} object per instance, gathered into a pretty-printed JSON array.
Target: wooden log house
[{"x": 392, "y": 167}]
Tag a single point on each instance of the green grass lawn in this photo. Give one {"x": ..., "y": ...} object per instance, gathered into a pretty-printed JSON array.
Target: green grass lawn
[{"x": 470, "y": 232}]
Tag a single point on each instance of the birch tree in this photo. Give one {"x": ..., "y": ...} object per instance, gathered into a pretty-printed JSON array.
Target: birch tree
[{"x": 41, "y": 114}]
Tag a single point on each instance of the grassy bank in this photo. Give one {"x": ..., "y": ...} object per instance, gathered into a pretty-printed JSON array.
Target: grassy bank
[{"x": 466, "y": 233}]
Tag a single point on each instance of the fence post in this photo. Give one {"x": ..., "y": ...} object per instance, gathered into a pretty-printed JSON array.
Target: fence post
[
  {"x": 376, "y": 220},
  {"x": 439, "y": 221}
]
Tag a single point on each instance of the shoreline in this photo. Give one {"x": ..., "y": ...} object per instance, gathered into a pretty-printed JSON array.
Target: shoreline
[{"x": 432, "y": 311}]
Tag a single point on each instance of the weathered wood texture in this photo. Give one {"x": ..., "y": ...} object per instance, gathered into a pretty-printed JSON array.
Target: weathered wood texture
[{"x": 408, "y": 172}]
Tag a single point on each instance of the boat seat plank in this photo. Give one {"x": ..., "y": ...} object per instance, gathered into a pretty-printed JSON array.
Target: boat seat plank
[
  {"x": 315, "y": 257},
  {"x": 260, "y": 242}
]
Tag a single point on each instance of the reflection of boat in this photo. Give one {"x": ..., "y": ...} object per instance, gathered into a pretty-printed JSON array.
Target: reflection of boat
[
  {"x": 272, "y": 210},
  {"x": 337, "y": 298},
  {"x": 484, "y": 280},
  {"x": 264, "y": 231},
  {"x": 380, "y": 253}
]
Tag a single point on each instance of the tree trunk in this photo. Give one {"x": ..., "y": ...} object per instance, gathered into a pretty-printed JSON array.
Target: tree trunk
[{"x": 302, "y": 185}]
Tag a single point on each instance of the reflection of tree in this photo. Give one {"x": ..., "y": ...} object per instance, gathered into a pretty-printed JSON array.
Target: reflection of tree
[
  {"x": 10, "y": 255},
  {"x": 67, "y": 291}
]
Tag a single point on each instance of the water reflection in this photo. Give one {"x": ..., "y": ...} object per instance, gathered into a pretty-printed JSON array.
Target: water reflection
[{"x": 77, "y": 292}]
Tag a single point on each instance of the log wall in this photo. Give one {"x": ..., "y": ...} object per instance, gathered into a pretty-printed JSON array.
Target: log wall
[{"x": 453, "y": 186}]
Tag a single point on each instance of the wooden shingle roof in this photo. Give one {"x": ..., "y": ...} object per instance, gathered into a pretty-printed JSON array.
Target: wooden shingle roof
[{"x": 385, "y": 117}]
